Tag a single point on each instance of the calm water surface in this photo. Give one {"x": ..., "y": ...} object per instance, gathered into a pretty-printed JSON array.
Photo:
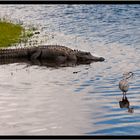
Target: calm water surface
[{"x": 82, "y": 100}]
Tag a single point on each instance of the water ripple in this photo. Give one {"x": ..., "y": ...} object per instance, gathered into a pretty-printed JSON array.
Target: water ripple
[{"x": 41, "y": 100}]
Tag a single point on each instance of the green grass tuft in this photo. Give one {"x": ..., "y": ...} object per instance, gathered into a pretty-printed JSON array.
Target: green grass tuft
[{"x": 9, "y": 33}]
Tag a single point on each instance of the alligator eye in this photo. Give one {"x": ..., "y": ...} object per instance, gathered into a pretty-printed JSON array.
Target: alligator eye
[{"x": 87, "y": 53}]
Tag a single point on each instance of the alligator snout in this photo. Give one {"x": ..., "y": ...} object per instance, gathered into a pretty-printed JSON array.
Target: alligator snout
[
  {"x": 94, "y": 58},
  {"x": 101, "y": 59}
]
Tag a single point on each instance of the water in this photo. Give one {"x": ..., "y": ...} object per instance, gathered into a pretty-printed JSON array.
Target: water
[{"x": 82, "y": 100}]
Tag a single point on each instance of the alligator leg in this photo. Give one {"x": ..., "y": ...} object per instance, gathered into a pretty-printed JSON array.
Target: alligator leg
[
  {"x": 61, "y": 59},
  {"x": 35, "y": 55}
]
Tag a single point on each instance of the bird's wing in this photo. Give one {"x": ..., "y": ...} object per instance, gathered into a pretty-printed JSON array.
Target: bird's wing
[{"x": 123, "y": 85}]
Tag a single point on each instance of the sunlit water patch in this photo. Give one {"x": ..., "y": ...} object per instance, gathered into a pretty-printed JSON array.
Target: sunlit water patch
[{"x": 74, "y": 100}]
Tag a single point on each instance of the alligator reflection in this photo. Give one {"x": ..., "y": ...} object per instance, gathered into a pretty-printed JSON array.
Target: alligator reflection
[
  {"x": 42, "y": 62},
  {"x": 124, "y": 103}
]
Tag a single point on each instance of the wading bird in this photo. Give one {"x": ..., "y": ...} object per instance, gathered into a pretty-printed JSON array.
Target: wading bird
[{"x": 123, "y": 84}]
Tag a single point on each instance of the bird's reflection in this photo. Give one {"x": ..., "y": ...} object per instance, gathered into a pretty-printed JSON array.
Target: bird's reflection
[{"x": 124, "y": 103}]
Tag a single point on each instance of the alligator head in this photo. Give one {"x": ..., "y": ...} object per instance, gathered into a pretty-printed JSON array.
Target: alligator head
[{"x": 87, "y": 57}]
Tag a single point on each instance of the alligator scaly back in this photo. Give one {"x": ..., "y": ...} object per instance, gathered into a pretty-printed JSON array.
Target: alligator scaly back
[{"x": 13, "y": 53}]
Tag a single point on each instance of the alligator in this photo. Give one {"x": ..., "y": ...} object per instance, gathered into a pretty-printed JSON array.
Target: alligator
[{"x": 48, "y": 55}]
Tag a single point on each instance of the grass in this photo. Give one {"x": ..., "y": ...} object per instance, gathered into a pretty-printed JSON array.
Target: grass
[
  {"x": 13, "y": 34},
  {"x": 9, "y": 33}
]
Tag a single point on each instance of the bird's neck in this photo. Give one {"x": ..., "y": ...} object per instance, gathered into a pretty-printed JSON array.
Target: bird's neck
[{"x": 127, "y": 78}]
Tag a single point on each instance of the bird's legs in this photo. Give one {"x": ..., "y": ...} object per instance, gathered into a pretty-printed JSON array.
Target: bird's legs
[{"x": 124, "y": 94}]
